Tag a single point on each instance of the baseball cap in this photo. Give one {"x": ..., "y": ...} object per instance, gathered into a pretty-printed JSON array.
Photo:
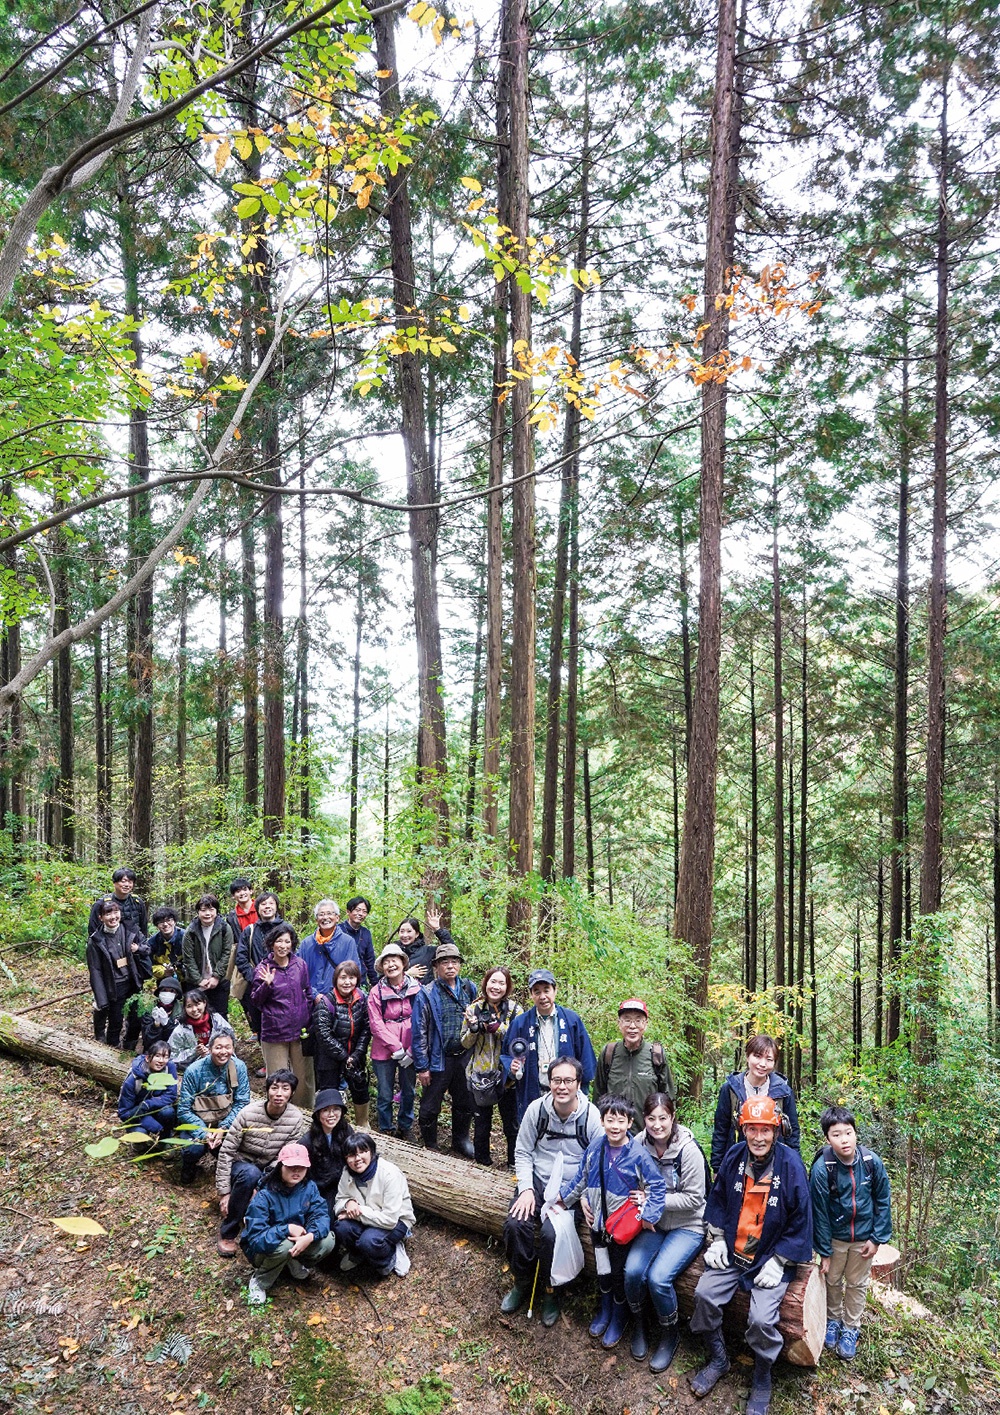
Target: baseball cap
[
  {"x": 294, "y": 1155},
  {"x": 541, "y": 975},
  {"x": 633, "y": 1004}
]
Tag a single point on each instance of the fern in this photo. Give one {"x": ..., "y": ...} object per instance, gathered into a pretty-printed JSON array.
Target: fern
[{"x": 175, "y": 1347}]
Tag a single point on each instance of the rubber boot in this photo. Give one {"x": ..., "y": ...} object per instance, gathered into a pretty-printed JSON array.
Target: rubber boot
[
  {"x": 462, "y": 1145},
  {"x": 603, "y": 1314},
  {"x": 361, "y": 1116},
  {"x": 716, "y": 1367},
  {"x": 760, "y": 1388},
  {"x": 640, "y": 1341},
  {"x": 666, "y": 1347},
  {"x": 618, "y": 1325}
]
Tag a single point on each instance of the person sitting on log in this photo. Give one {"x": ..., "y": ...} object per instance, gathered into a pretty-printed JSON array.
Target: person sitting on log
[
  {"x": 326, "y": 947},
  {"x": 759, "y": 1079},
  {"x": 165, "y": 942},
  {"x": 539, "y": 1035},
  {"x": 438, "y": 1053},
  {"x": 328, "y": 1134},
  {"x": 560, "y": 1122},
  {"x": 206, "y": 951},
  {"x": 655, "y": 1259},
  {"x": 195, "y": 1026},
  {"x": 251, "y": 1146},
  {"x": 633, "y": 1067},
  {"x": 161, "y": 1021},
  {"x": 621, "y": 1192},
  {"x": 215, "y": 1089},
  {"x": 287, "y": 1225},
  {"x": 483, "y": 1030},
  {"x": 852, "y": 1215},
  {"x": 759, "y": 1222},
  {"x": 148, "y": 1104},
  {"x": 133, "y": 909},
  {"x": 374, "y": 1211},
  {"x": 118, "y": 963}
]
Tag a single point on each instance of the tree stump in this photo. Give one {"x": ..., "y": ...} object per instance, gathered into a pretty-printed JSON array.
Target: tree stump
[{"x": 449, "y": 1187}]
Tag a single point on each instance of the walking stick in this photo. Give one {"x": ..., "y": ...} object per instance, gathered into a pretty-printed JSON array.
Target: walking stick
[{"x": 534, "y": 1285}]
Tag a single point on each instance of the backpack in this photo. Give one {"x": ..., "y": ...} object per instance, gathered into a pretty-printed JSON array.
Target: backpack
[
  {"x": 582, "y": 1139},
  {"x": 676, "y": 1162},
  {"x": 657, "y": 1054},
  {"x": 825, "y": 1152}
]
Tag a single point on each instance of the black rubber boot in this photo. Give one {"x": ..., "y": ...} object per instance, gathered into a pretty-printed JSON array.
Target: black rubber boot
[
  {"x": 462, "y": 1145},
  {"x": 639, "y": 1346},
  {"x": 618, "y": 1325},
  {"x": 666, "y": 1347},
  {"x": 603, "y": 1314},
  {"x": 760, "y": 1388},
  {"x": 716, "y": 1367}
]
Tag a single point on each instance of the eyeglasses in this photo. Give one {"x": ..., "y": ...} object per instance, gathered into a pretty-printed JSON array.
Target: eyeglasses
[{"x": 569, "y": 1081}]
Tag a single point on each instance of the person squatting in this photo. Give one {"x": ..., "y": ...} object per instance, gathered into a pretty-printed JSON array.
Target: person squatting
[{"x": 298, "y": 1186}]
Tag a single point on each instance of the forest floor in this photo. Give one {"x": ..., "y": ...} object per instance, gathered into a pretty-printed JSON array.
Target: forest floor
[{"x": 150, "y": 1319}]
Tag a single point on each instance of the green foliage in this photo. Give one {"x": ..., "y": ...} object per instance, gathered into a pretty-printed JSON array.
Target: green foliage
[{"x": 429, "y": 1396}]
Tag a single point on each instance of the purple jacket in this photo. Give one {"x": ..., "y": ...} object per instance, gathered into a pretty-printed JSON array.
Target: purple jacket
[{"x": 286, "y": 1004}]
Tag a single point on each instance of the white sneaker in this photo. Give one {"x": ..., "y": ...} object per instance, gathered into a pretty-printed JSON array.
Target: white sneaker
[
  {"x": 298, "y": 1270},
  {"x": 256, "y": 1294}
]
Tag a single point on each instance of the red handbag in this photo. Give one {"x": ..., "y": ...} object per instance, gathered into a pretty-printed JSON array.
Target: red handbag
[{"x": 623, "y": 1225}]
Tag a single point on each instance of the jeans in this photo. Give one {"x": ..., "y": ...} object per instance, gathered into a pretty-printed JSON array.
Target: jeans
[
  {"x": 385, "y": 1076},
  {"x": 654, "y": 1260},
  {"x": 376, "y": 1246},
  {"x": 157, "y": 1122},
  {"x": 243, "y": 1181}
]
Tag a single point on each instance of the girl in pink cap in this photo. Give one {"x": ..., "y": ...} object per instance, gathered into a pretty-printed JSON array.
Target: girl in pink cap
[{"x": 287, "y": 1225}]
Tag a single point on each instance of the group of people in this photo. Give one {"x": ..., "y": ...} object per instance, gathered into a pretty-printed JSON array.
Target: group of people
[{"x": 291, "y": 1187}]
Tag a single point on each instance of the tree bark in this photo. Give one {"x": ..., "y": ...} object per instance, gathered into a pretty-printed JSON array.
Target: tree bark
[
  {"x": 352, "y": 836},
  {"x": 588, "y": 823},
  {"x": 64, "y": 825},
  {"x": 900, "y": 707},
  {"x": 181, "y": 739},
  {"x": 477, "y": 689},
  {"x": 693, "y": 917},
  {"x": 432, "y": 753},
  {"x": 930, "y": 865},
  {"x": 803, "y": 828},
  {"x": 779, "y": 766},
  {"x": 222, "y": 739},
  {"x": 573, "y": 671},
  {"x": 250, "y": 663},
  {"x": 523, "y": 606},
  {"x": 304, "y": 765},
  {"x": 102, "y": 784},
  {"x": 754, "y": 831}
]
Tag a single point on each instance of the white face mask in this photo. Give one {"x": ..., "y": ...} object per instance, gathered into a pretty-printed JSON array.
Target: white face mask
[{"x": 165, "y": 999}]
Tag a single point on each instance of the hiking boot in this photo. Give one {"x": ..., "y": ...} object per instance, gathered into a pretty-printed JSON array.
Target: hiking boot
[
  {"x": 225, "y": 1247},
  {"x": 516, "y": 1297},
  {"x": 189, "y": 1171},
  {"x": 666, "y": 1347},
  {"x": 833, "y": 1330},
  {"x": 400, "y": 1133},
  {"x": 760, "y": 1388},
  {"x": 256, "y": 1294},
  {"x": 298, "y": 1270},
  {"x": 602, "y": 1316},
  {"x": 617, "y": 1327},
  {"x": 847, "y": 1346},
  {"x": 639, "y": 1347},
  {"x": 715, "y": 1368},
  {"x": 551, "y": 1307}
]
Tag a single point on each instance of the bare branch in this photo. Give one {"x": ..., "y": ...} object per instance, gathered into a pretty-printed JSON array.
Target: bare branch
[{"x": 74, "y": 53}]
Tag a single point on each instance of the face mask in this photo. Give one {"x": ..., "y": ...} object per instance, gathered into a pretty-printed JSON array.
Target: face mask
[{"x": 165, "y": 999}]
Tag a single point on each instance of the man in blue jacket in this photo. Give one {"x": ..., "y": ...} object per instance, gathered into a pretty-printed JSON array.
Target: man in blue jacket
[
  {"x": 438, "y": 1053},
  {"x": 215, "y": 1089},
  {"x": 759, "y": 1225},
  {"x": 536, "y": 1037},
  {"x": 326, "y": 946}
]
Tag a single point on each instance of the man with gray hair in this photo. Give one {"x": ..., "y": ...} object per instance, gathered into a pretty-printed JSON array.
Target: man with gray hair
[{"x": 326, "y": 947}]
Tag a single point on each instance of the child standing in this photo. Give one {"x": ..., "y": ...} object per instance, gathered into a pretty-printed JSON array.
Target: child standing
[
  {"x": 616, "y": 1172},
  {"x": 852, "y": 1215}
]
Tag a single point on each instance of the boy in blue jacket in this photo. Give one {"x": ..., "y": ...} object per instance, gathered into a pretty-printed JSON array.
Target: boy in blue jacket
[
  {"x": 852, "y": 1215},
  {"x": 287, "y": 1225},
  {"x": 759, "y": 1224}
]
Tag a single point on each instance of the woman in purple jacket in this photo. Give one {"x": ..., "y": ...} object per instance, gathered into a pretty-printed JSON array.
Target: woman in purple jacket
[{"x": 281, "y": 991}]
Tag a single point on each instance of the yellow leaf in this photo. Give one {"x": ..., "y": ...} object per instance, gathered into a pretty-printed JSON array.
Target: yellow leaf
[
  {"x": 416, "y": 12},
  {"x": 315, "y": 1319},
  {"x": 222, "y": 155},
  {"x": 364, "y": 197},
  {"x": 77, "y": 1225},
  {"x": 383, "y": 73},
  {"x": 463, "y": 312},
  {"x": 472, "y": 184}
]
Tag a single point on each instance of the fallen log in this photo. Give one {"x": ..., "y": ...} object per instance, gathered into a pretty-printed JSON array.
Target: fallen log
[{"x": 449, "y": 1187}]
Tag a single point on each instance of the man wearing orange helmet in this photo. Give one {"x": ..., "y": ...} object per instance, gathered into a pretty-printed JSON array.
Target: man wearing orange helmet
[{"x": 759, "y": 1223}]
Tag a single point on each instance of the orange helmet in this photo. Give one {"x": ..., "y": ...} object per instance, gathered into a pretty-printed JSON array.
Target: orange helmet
[{"x": 759, "y": 1110}]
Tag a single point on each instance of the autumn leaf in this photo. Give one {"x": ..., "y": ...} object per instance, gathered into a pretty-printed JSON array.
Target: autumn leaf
[
  {"x": 315, "y": 1319},
  {"x": 472, "y": 184},
  {"x": 79, "y": 1226}
]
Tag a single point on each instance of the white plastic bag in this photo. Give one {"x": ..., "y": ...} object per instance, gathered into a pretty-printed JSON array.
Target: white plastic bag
[
  {"x": 567, "y": 1255},
  {"x": 402, "y": 1260}
]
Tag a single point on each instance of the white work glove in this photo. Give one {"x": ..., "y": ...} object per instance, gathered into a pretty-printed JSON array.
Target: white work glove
[
  {"x": 717, "y": 1255},
  {"x": 159, "y": 1016},
  {"x": 770, "y": 1274},
  {"x": 402, "y": 1057}
]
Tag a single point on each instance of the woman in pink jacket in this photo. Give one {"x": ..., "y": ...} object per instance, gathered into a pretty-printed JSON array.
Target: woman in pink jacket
[{"x": 389, "y": 1005}]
